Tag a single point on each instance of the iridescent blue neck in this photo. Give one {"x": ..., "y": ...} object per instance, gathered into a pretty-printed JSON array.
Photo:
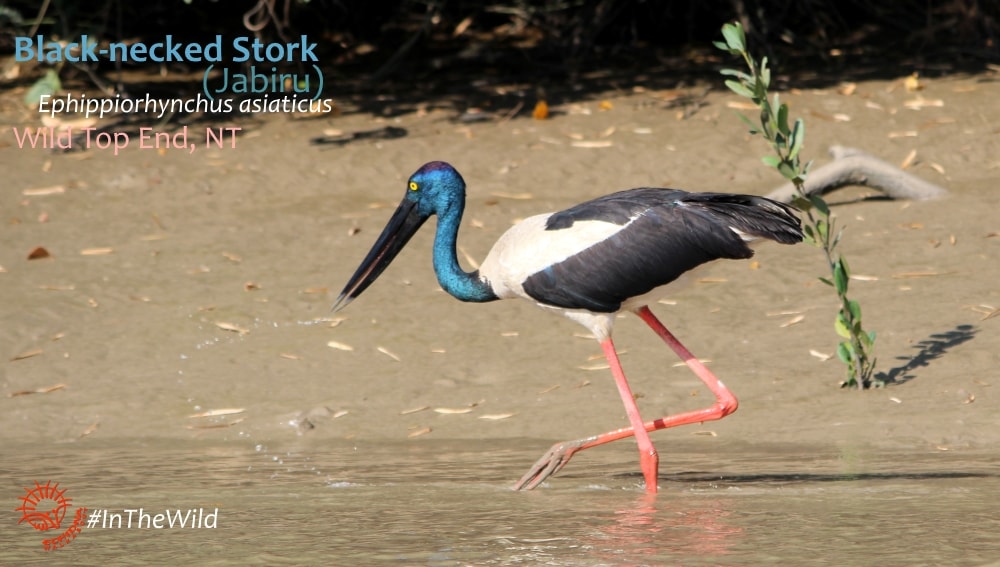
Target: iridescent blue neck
[{"x": 466, "y": 286}]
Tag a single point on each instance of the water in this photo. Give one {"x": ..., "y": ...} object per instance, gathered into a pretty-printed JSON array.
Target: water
[{"x": 448, "y": 503}]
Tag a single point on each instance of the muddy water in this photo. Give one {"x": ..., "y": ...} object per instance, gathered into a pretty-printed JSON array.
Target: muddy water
[{"x": 448, "y": 503}]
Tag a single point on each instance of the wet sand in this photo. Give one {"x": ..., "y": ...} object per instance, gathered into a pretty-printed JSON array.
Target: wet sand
[{"x": 181, "y": 283}]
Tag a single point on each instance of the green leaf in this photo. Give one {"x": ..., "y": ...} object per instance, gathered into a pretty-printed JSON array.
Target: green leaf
[
  {"x": 739, "y": 88},
  {"x": 821, "y": 229},
  {"x": 842, "y": 260},
  {"x": 866, "y": 340},
  {"x": 826, "y": 281},
  {"x": 820, "y": 205},
  {"x": 840, "y": 276},
  {"x": 808, "y": 236},
  {"x": 718, "y": 44},
  {"x": 782, "y": 118},
  {"x": 765, "y": 74},
  {"x": 855, "y": 308},
  {"x": 797, "y": 136},
  {"x": 736, "y": 73},
  {"x": 765, "y": 123},
  {"x": 735, "y": 38},
  {"x": 840, "y": 325},
  {"x": 788, "y": 171},
  {"x": 771, "y": 161},
  {"x": 844, "y": 353}
]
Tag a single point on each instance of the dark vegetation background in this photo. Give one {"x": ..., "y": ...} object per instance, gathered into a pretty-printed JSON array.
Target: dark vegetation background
[{"x": 421, "y": 48}]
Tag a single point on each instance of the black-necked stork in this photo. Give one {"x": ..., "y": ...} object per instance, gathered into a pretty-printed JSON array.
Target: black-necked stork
[{"x": 589, "y": 262}]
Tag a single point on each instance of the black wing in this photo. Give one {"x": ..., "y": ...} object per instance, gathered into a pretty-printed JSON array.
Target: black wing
[{"x": 665, "y": 233}]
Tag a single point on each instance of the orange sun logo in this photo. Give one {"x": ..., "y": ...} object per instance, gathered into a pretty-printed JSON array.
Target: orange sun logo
[{"x": 44, "y": 507}]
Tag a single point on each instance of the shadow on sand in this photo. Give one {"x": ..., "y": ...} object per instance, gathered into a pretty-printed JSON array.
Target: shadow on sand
[{"x": 928, "y": 349}]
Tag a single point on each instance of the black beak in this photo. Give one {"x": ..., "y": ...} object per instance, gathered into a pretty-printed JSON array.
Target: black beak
[{"x": 401, "y": 227}]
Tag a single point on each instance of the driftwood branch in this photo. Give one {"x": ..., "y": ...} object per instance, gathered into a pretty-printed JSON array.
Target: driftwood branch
[{"x": 854, "y": 167}]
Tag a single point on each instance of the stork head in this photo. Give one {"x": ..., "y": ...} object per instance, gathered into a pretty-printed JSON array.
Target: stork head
[{"x": 435, "y": 188}]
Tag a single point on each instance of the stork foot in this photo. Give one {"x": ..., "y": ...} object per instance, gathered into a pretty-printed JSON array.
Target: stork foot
[{"x": 551, "y": 462}]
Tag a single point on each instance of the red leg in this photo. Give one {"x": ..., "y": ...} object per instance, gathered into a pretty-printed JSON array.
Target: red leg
[
  {"x": 725, "y": 402},
  {"x": 560, "y": 453},
  {"x": 648, "y": 459}
]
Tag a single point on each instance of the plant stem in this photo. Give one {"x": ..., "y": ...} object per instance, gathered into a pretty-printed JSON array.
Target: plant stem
[{"x": 787, "y": 142}]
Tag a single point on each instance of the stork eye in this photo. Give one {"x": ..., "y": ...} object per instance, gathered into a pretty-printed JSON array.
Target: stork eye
[{"x": 414, "y": 186}]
